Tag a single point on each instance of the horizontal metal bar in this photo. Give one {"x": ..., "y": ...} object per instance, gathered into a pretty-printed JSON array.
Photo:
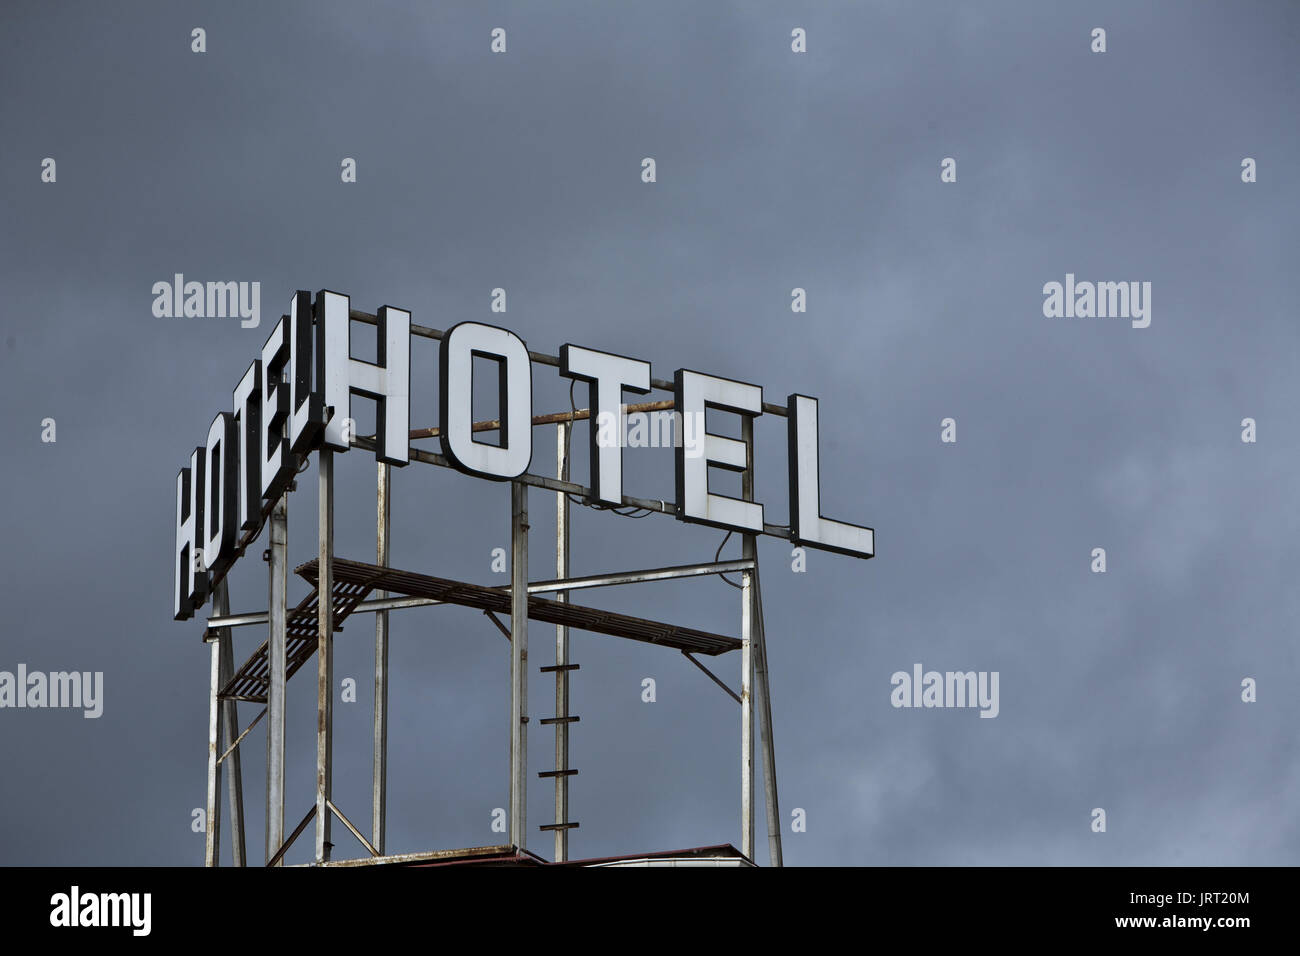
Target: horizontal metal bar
[
  {"x": 394, "y": 604},
  {"x": 541, "y": 358},
  {"x": 640, "y": 577},
  {"x": 540, "y": 608},
  {"x": 555, "y": 484},
  {"x": 237, "y": 620},
  {"x": 540, "y": 587},
  {"x": 369, "y": 318},
  {"x": 379, "y": 604},
  {"x": 553, "y": 418}
]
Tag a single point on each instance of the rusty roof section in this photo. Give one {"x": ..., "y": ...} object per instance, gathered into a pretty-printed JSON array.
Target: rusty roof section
[
  {"x": 503, "y": 855},
  {"x": 719, "y": 850},
  {"x": 508, "y": 855}
]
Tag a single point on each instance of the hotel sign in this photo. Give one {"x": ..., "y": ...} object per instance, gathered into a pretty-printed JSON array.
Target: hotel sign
[{"x": 296, "y": 398}]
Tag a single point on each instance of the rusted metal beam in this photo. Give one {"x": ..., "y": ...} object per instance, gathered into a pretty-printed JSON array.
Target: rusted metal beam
[
  {"x": 574, "y": 616},
  {"x": 554, "y": 418},
  {"x": 541, "y": 358},
  {"x": 429, "y": 856},
  {"x": 563, "y": 586},
  {"x": 554, "y": 484}
]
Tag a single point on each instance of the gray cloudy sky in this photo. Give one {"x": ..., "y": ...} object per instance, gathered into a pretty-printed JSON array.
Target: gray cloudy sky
[{"x": 775, "y": 170}]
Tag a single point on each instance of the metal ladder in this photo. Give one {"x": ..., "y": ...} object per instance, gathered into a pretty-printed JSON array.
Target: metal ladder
[
  {"x": 562, "y": 667},
  {"x": 563, "y": 771}
]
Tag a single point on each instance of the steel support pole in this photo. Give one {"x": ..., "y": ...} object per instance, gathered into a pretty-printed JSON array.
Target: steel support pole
[
  {"x": 746, "y": 717},
  {"x": 749, "y": 552},
  {"x": 324, "y": 654},
  {"x": 276, "y": 643},
  {"x": 518, "y": 664},
  {"x": 562, "y": 435},
  {"x": 212, "y": 844},
  {"x": 230, "y": 730},
  {"x": 770, "y": 800},
  {"x": 380, "y": 776}
]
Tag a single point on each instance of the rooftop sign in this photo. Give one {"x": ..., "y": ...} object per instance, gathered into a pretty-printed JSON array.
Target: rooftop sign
[{"x": 296, "y": 398}]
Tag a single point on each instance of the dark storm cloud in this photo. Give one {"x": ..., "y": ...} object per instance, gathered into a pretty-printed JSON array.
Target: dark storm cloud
[{"x": 775, "y": 171}]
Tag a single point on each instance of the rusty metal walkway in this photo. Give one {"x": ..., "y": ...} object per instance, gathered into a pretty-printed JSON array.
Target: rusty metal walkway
[
  {"x": 355, "y": 580},
  {"x": 251, "y": 681},
  {"x": 497, "y": 600}
]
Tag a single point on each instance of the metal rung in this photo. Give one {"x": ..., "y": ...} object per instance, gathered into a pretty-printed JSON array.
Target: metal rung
[
  {"x": 552, "y": 668},
  {"x": 556, "y": 773},
  {"x": 560, "y": 720},
  {"x": 558, "y": 826}
]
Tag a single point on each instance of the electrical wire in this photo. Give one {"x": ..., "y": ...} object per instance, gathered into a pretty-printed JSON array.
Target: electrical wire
[
  {"x": 632, "y": 511},
  {"x": 717, "y": 555}
]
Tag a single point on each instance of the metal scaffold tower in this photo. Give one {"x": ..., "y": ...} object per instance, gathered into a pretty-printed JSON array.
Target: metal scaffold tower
[{"x": 340, "y": 588}]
